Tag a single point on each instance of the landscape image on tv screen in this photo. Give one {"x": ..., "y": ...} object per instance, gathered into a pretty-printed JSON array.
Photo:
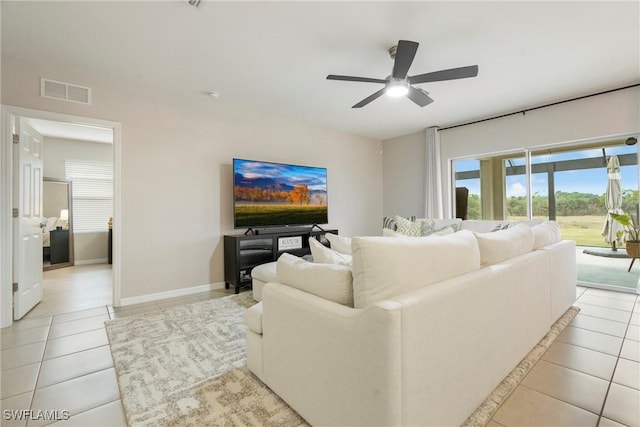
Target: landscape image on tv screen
[{"x": 275, "y": 194}]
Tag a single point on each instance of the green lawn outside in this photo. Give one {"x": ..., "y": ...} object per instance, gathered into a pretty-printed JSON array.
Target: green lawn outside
[
  {"x": 257, "y": 215},
  {"x": 585, "y": 230}
]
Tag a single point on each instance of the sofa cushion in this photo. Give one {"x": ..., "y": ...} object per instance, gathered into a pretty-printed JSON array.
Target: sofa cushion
[
  {"x": 323, "y": 255},
  {"x": 504, "y": 244},
  {"x": 260, "y": 276},
  {"x": 385, "y": 267},
  {"x": 443, "y": 231},
  {"x": 387, "y": 232},
  {"x": 545, "y": 234},
  {"x": 253, "y": 318},
  {"x": 339, "y": 243},
  {"x": 484, "y": 226},
  {"x": 265, "y": 272},
  {"x": 329, "y": 281}
]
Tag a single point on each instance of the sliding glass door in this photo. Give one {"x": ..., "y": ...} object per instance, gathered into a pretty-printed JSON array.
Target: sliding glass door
[{"x": 567, "y": 185}]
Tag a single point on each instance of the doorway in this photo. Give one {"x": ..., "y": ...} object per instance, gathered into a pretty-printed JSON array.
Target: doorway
[{"x": 62, "y": 121}]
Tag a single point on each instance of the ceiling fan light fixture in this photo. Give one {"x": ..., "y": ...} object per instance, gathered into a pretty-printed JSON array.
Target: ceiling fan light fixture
[
  {"x": 397, "y": 88},
  {"x": 399, "y": 83}
]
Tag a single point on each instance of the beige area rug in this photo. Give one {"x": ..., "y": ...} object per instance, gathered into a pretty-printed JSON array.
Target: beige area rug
[
  {"x": 163, "y": 360},
  {"x": 187, "y": 367}
]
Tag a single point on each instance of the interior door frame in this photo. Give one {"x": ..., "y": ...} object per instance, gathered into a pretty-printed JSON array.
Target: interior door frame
[{"x": 9, "y": 114}]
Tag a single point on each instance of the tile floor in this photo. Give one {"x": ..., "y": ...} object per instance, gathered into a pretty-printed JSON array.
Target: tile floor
[
  {"x": 74, "y": 288},
  {"x": 589, "y": 377},
  {"x": 60, "y": 360}
]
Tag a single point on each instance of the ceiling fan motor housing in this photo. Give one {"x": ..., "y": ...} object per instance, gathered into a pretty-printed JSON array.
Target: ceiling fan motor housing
[{"x": 392, "y": 51}]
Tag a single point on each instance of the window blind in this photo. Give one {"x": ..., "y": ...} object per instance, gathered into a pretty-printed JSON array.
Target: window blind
[{"x": 92, "y": 194}]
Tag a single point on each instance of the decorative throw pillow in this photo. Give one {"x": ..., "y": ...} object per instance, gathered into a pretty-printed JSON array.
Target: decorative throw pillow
[
  {"x": 339, "y": 243},
  {"x": 428, "y": 226},
  {"x": 444, "y": 231},
  {"x": 431, "y": 226},
  {"x": 500, "y": 227},
  {"x": 323, "y": 255},
  {"x": 389, "y": 223},
  {"x": 329, "y": 281},
  {"x": 407, "y": 227}
]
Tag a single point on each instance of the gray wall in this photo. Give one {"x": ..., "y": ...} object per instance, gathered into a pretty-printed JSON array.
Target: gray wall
[{"x": 403, "y": 168}]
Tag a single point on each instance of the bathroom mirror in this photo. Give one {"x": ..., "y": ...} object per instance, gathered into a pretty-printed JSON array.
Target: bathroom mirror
[{"x": 57, "y": 224}]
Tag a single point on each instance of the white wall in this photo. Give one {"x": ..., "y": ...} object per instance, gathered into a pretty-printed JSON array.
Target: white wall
[
  {"x": 87, "y": 247},
  {"x": 176, "y": 170},
  {"x": 56, "y": 150},
  {"x": 403, "y": 171}
]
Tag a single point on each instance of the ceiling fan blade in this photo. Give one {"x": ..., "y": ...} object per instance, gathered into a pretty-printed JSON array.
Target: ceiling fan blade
[
  {"x": 355, "y": 79},
  {"x": 450, "y": 74},
  {"x": 405, "y": 52},
  {"x": 370, "y": 98},
  {"x": 418, "y": 96}
]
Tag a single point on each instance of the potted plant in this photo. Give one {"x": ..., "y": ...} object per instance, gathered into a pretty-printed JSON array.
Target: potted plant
[{"x": 632, "y": 242}]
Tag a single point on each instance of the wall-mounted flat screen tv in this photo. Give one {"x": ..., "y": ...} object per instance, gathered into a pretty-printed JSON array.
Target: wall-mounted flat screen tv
[{"x": 269, "y": 194}]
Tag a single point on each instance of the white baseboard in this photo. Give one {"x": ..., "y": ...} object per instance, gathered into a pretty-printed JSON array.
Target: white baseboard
[
  {"x": 90, "y": 261},
  {"x": 171, "y": 294}
]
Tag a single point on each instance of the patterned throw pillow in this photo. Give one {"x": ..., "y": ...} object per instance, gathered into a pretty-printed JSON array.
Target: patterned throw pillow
[
  {"x": 501, "y": 227},
  {"x": 407, "y": 227},
  {"x": 389, "y": 223},
  {"x": 428, "y": 226},
  {"x": 432, "y": 226}
]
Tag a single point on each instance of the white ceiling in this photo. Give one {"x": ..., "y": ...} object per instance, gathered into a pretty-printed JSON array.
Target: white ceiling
[
  {"x": 76, "y": 131},
  {"x": 274, "y": 56}
]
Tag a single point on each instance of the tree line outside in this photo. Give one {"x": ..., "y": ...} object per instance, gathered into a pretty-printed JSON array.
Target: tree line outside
[
  {"x": 301, "y": 194},
  {"x": 580, "y": 215},
  {"x": 567, "y": 204}
]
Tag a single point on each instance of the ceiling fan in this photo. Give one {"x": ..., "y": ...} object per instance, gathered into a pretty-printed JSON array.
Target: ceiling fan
[{"x": 400, "y": 84}]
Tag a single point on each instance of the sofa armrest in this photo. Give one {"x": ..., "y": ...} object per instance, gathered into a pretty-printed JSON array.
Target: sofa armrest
[
  {"x": 564, "y": 276},
  {"x": 317, "y": 357}
]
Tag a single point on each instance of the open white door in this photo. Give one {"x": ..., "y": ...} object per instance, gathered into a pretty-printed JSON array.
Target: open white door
[{"x": 27, "y": 216}]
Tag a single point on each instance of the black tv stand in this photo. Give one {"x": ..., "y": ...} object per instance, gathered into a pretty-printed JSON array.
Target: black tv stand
[
  {"x": 242, "y": 252},
  {"x": 279, "y": 230},
  {"x": 318, "y": 227}
]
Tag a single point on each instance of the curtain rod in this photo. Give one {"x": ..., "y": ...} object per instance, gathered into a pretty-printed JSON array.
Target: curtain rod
[{"x": 537, "y": 108}]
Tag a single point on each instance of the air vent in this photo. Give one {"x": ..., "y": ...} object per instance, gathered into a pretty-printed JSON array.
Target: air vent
[{"x": 65, "y": 91}]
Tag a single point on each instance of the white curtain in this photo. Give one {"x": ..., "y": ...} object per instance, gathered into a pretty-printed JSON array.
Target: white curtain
[{"x": 433, "y": 187}]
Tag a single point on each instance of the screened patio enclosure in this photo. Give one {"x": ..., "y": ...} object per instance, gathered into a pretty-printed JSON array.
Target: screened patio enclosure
[{"x": 567, "y": 185}]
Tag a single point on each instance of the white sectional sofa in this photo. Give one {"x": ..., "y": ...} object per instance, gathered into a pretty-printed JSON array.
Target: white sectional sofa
[{"x": 436, "y": 324}]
